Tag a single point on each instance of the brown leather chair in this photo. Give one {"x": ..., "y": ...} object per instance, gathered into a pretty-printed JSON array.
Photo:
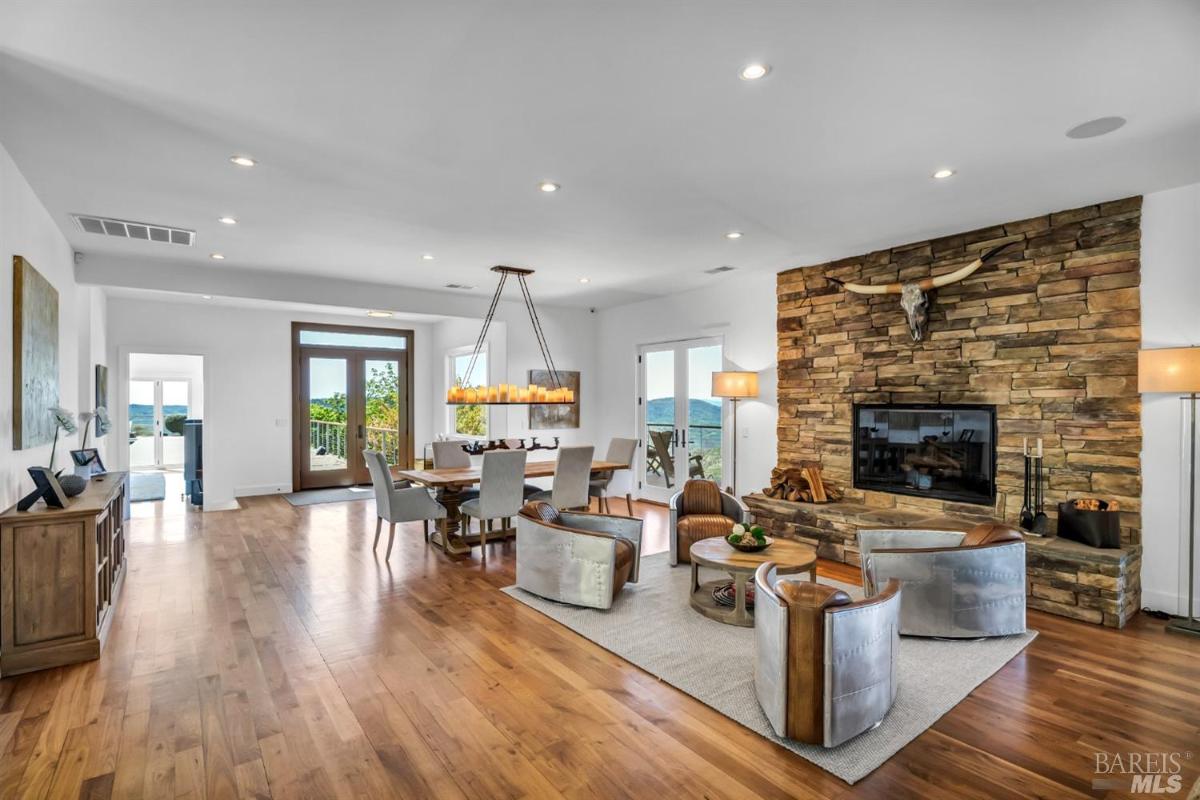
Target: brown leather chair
[
  {"x": 700, "y": 511},
  {"x": 825, "y": 667},
  {"x": 956, "y": 584},
  {"x": 574, "y": 557}
]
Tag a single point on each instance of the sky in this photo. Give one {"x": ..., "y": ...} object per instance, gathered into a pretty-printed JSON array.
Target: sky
[{"x": 702, "y": 363}]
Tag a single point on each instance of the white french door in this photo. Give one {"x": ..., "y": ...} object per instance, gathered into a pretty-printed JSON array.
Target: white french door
[
  {"x": 157, "y": 409},
  {"x": 680, "y": 428}
]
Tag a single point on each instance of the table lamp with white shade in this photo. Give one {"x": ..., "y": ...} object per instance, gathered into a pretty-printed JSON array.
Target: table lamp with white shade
[
  {"x": 734, "y": 386},
  {"x": 1176, "y": 370}
]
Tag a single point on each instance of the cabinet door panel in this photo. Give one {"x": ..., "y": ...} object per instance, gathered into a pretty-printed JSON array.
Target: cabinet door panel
[{"x": 49, "y": 582}]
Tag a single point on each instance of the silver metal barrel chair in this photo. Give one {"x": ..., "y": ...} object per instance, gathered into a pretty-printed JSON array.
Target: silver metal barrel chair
[
  {"x": 398, "y": 503},
  {"x": 699, "y": 511},
  {"x": 577, "y": 558},
  {"x": 956, "y": 584},
  {"x": 826, "y": 667}
]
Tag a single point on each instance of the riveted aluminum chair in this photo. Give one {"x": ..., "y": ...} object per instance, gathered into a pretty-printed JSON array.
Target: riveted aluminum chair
[
  {"x": 957, "y": 584},
  {"x": 578, "y": 558},
  {"x": 619, "y": 451},
  {"x": 699, "y": 511},
  {"x": 397, "y": 503},
  {"x": 572, "y": 472},
  {"x": 500, "y": 495},
  {"x": 826, "y": 668}
]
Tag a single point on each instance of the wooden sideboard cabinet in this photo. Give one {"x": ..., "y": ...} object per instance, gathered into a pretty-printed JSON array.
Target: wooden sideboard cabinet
[{"x": 60, "y": 573}]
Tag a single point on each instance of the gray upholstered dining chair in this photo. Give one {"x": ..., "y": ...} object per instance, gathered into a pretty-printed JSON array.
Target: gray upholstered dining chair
[
  {"x": 620, "y": 451},
  {"x": 396, "y": 503},
  {"x": 449, "y": 454},
  {"x": 581, "y": 559},
  {"x": 572, "y": 472},
  {"x": 826, "y": 668},
  {"x": 956, "y": 584},
  {"x": 500, "y": 494}
]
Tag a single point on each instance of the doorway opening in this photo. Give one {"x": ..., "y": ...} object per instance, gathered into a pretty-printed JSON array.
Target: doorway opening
[
  {"x": 352, "y": 390},
  {"x": 679, "y": 421},
  {"x": 166, "y": 412}
]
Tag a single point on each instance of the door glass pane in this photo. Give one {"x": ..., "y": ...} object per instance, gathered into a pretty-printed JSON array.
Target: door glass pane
[
  {"x": 327, "y": 413},
  {"x": 383, "y": 408},
  {"x": 704, "y": 414},
  {"x": 659, "y": 369},
  {"x": 174, "y": 412},
  {"x": 379, "y": 341},
  {"x": 141, "y": 423}
]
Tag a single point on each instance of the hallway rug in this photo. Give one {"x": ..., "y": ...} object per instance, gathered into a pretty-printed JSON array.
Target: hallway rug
[
  {"x": 146, "y": 486},
  {"x": 653, "y": 626},
  {"x": 312, "y": 497}
]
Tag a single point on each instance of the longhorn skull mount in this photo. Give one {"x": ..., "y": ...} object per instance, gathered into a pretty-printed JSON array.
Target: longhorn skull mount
[{"x": 913, "y": 295}]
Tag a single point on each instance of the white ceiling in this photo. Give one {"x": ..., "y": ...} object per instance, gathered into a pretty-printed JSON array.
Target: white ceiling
[{"x": 385, "y": 129}]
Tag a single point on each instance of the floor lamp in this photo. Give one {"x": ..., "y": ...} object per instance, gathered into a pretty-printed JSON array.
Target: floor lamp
[
  {"x": 735, "y": 386},
  {"x": 1176, "y": 370}
]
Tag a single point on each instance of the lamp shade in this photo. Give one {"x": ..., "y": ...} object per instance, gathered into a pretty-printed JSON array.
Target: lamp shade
[
  {"x": 735, "y": 384},
  {"x": 1173, "y": 370}
]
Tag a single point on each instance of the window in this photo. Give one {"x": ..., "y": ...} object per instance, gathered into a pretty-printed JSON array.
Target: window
[
  {"x": 377, "y": 341},
  {"x": 468, "y": 420}
]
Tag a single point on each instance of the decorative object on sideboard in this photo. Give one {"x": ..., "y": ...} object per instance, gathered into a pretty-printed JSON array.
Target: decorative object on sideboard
[
  {"x": 35, "y": 356},
  {"x": 511, "y": 394},
  {"x": 1176, "y": 370},
  {"x": 913, "y": 295},
  {"x": 734, "y": 386},
  {"x": 555, "y": 416},
  {"x": 45, "y": 487},
  {"x": 63, "y": 421},
  {"x": 1096, "y": 523},
  {"x": 88, "y": 462},
  {"x": 803, "y": 485}
]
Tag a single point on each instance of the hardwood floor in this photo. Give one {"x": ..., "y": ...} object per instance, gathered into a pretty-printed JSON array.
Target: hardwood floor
[{"x": 268, "y": 652}]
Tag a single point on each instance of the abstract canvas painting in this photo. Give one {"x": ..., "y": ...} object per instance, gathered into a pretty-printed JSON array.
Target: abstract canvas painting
[
  {"x": 35, "y": 356},
  {"x": 558, "y": 415}
]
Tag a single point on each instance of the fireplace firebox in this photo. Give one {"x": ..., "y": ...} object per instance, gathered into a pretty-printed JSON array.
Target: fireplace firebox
[{"x": 944, "y": 451}]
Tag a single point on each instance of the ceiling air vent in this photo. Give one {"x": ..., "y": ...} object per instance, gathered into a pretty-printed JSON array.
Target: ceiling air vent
[
  {"x": 719, "y": 270},
  {"x": 126, "y": 229},
  {"x": 458, "y": 286}
]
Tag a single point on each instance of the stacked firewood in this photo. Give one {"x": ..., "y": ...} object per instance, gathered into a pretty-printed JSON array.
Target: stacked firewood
[
  {"x": 801, "y": 485},
  {"x": 1091, "y": 504}
]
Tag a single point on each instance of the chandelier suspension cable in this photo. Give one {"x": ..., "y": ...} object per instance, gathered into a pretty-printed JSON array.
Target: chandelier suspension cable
[
  {"x": 487, "y": 323},
  {"x": 539, "y": 333}
]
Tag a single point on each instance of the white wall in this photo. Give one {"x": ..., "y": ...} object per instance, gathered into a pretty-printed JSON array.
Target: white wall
[
  {"x": 1170, "y": 318},
  {"x": 247, "y": 383},
  {"x": 27, "y": 229},
  {"x": 741, "y": 310}
]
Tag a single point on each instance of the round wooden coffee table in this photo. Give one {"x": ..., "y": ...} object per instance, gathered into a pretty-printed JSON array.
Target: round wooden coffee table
[{"x": 789, "y": 556}]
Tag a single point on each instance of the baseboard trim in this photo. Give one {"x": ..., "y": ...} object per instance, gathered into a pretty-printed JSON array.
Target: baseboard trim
[
  {"x": 261, "y": 489},
  {"x": 1167, "y": 601}
]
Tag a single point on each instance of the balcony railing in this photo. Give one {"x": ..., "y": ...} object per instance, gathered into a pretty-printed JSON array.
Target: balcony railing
[
  {"x": 332, "y": 437},
  {"x": 703, "y": 441}
]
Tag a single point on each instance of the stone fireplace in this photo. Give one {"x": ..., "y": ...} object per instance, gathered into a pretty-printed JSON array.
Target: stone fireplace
[{"x": 1047, "y": 333}]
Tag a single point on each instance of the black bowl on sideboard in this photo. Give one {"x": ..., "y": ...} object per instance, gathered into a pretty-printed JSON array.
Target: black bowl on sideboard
[{"x": 1095, "y": 528}]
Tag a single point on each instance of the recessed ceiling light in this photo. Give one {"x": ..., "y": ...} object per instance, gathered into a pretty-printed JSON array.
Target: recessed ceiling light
[
  {"x": 733, "y": 235},
  {"x": 752, "y": 72},
  {"x": 206, "y": 296},
  {"x": 379, "y": 313},
  {"x": 217, "y": 257},
  {"x": 548, "y": 186},
  {"x": 1095, "y": 127},
  {"x": 243, "y": 161},
  {"x": 942, "y": 174},
  {"x": 227, "y": 220},
  {"x": 427, "y": 256},
  {"x": 585, "y": 280}
]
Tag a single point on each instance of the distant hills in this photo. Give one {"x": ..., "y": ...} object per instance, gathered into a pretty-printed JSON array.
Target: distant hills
[{"x": 661, "y": 411}]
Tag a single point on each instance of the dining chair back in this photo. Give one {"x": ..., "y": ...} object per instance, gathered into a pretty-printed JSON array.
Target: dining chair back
[
  {"x": 501, "y": 484},
  {"x": 620, "y": 451},
  {"x": 571, "y": 476},
  {"x": 450, "y": 455}
]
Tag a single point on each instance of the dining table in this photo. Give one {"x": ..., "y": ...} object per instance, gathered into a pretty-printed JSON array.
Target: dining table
[{"x": 449, "y": 484}]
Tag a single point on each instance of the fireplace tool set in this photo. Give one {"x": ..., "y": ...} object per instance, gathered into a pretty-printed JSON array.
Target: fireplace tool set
[{"x": 1033, "y": 513}]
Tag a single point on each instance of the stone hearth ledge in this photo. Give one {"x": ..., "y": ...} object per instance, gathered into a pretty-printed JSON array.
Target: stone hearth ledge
[{"x": 1063, "y": 577}]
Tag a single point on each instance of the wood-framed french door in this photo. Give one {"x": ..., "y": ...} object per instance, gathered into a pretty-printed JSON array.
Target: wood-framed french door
[
  {"x": 680, "y": 424},
  {"x": 352, "y": 388}
]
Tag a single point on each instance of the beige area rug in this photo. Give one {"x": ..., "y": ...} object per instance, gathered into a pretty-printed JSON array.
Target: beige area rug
[{"x": 653, "y": 626}]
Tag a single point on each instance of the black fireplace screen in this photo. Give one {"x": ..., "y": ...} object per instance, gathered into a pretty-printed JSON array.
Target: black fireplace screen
[{"x": 947, "y": 452}]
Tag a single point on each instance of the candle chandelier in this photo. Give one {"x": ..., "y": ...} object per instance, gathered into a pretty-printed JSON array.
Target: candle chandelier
[{"x": 507, "y": 394}]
